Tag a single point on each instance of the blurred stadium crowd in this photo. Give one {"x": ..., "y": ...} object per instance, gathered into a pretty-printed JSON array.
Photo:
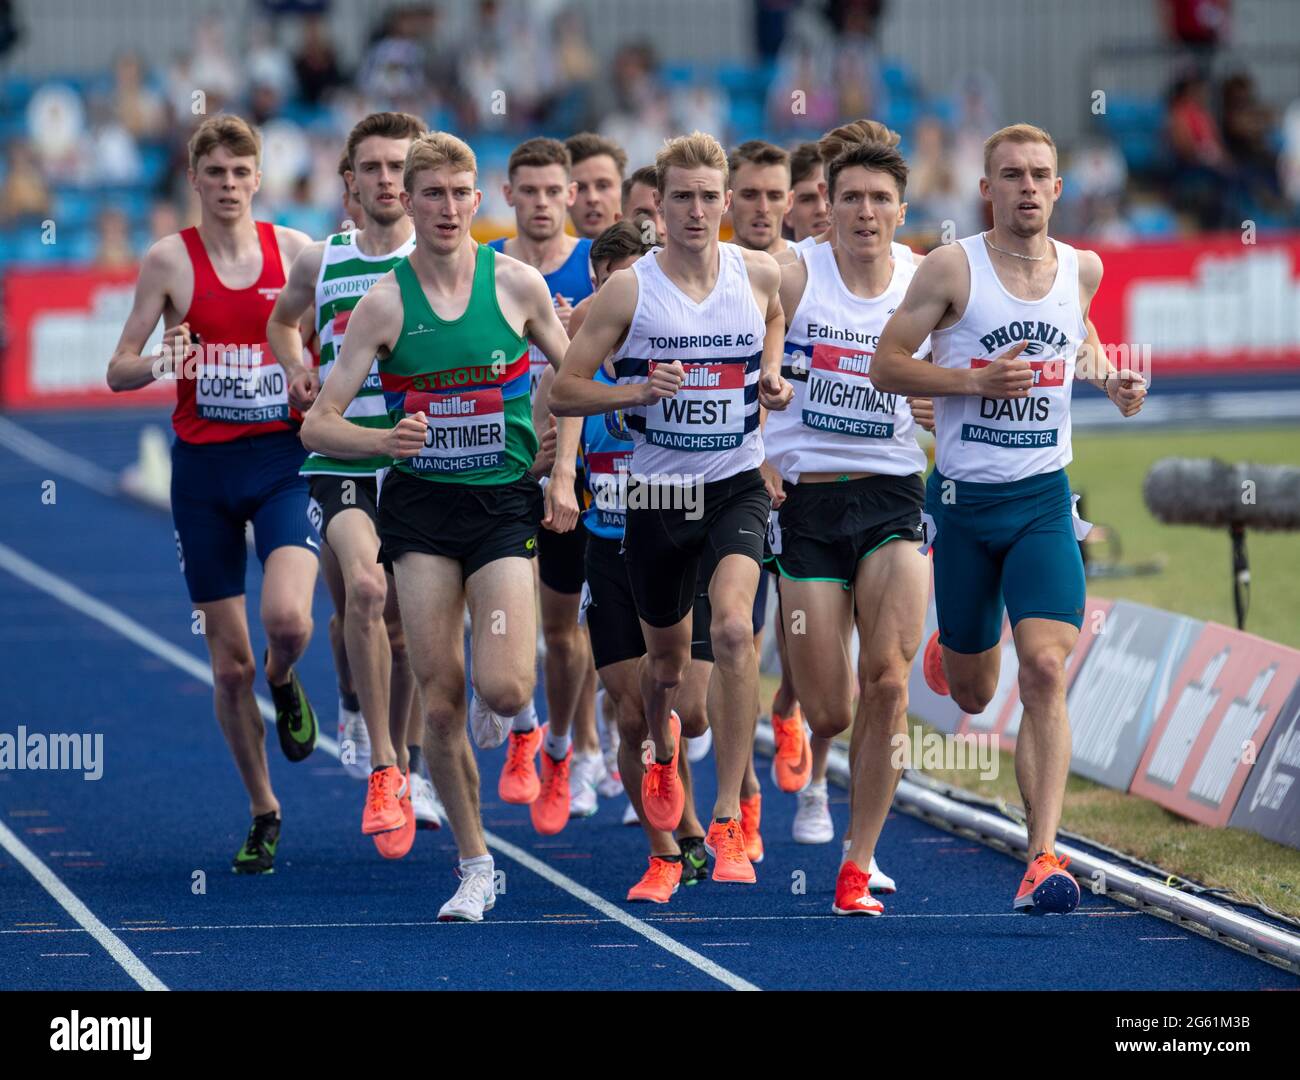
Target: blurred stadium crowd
[{"x": 101, "y": 153}]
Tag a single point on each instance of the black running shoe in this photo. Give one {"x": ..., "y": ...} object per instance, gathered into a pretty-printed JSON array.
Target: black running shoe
[
  {"x": 257, "y": 856},
  {"x": 295, "y": 720},
  {"x": 695, "y": 860}
]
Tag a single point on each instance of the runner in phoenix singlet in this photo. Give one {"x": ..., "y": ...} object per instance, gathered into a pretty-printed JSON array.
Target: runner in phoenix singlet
[
  {"x": 540, "y": 191},
  {"x": 695, "y": 329},
  {"x": 851, "y": 466},
  {"x": 1006, "y": 313},
  {"x": 459, "y": 510},
  {"x": 236, "y": 455},
  {"x": 327, "y": 280}
]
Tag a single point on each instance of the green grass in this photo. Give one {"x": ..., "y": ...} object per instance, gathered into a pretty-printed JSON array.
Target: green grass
[{"x": 1196, "y": 580}]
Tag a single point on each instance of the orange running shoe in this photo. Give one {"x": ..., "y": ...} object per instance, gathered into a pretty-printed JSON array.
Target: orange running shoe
[
  {"x": 932, "y": 666},
  {"x": 1047, "y": 888},
  {"x": 659, "y": 882},
  {"x": 853, "y": 892},
  {"x": 792, "y": 759},
  {"x": 550, "y": 810},
  {"x": 662, "y": 796},
  {"x": 519, "y": 783},
  {"x": 726, "y": 843},
  {"x": 382, "y": 812},
  {"x": 751, "y": 813},
  {"x": 397, "y": 842}
]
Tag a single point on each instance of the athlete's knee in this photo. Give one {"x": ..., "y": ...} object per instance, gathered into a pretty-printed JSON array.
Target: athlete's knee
[
  {"x": 233, "y": 674},
  {"x": 827, "y": 715},
  {"x": 1042, "y": 672},
  {"x": 506, "y": 694},
  {"x": 288, "y": 630},
  {"x": 667, "y": 670},
  {"x": 972, "y": 693},
  {"x": 631, "y": 719},
  {"x": 562, "y": 638},
  {"x": 694, "y": 717},
  {"x": 732, "y": 633},
  {"x": 884, "y": 687},
  {"x": 367, "y": 591}
]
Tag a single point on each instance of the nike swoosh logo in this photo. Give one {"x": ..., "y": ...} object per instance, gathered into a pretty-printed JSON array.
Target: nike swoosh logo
[
  {"x": 746, "y": 532},
  {"x": 312, "y": 544}
]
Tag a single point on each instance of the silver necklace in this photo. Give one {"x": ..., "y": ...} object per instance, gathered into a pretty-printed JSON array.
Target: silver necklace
[{"x": 1013, "y": 254}]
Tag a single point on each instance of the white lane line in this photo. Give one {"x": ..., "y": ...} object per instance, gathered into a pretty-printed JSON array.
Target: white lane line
[
  {"x": 591, "y": 899},
  {"x": 64, "y": 591},
  {"x": 66, "y": 899},
  {"x": 49, "y": 456},
  {"x": 75, "y": 598}
]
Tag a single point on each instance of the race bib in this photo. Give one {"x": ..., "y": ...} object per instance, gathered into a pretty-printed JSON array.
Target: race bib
[
  {"x": 774, "y": 531},
  {"x": 707, "y": 412},
  {"x": 841, "y": 399},
  {"x": 466, "y": 431},
  {"x": 929, "y": 530},
  {"x": 240, "y": 389},
  {"x": 1028, "y": 423},
  {"x": 537, "y": 365},
  {"x": 607, "y": 473},
  {"x": 1081, "y": 528}
]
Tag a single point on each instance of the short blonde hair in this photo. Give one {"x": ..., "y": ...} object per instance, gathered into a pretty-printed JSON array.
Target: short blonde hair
[
  {"x": 837, "y": 140},
  {"x": 436, "y": 150},
  {"x": 1016, "y": 133},
  {"x": 698, "y": 150},
  {"x": 225, "y": 129}
]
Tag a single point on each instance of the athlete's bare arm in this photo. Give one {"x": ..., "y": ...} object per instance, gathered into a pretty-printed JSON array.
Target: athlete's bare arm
[
  {"x": 164, "y": 264},
  {"x": 774, "y": 392},
  {"x": 282, "y": 329},
  {"x": 528, "y": 290},
  {"x": 544, "y": 425},
  {"x": 373, "y": 329},
  {"x": 1124, "y": 386},
  {"x": 575, "y": 392},
  {"x": 794, "y": 279},
  {"x": 578, "y": 316},
  {"x": 939, "y": 289}
]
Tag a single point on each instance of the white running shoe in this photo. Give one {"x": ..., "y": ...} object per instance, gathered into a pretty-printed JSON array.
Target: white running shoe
[
  {"x": 880, "y": 881},
  {"x": 700, "y": 746},
  {"x": 425, "y": 802},
  {"x": 488, "y": 728},
  {"x": 629, "y": 814},
  {"x": 475, "y": 895},
  {"x": 354, "y": 743},
  {"x": 812, "y": 819},
  {"x": 612, "y": 785},
  {"x": 585, "y": 773}
]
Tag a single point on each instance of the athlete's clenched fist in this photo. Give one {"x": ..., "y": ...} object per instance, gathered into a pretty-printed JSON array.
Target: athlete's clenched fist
[
  {"x": 774, "y": 392},
  {"x": 664, "y": 381},
  {"x": 1128, "y": 390},
  {"x": 1007, "y": 377},
  {"x": 407, "y": 438},
  {"x": 922, "y": 412}
]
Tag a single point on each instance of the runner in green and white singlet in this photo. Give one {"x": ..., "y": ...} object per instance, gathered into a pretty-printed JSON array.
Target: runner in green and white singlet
[{"x": 460, "y": 509}]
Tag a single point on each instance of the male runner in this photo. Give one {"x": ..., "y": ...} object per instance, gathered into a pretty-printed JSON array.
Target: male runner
[
  {"x": 851, "y": 466},
  {"x": 809, "y": 212},
  {"x": 598, "y": 165},
  {"x": 639, "y": 206},
  {"x": 999, "y": 496},
  {"x": 695, "y": 331},
  {"x": 236, "y": 455},
  {"x": 328, "y": 279},
  {"x": 610, "y": 611},
  {"x": 540, "y": 191},
  {"x": 458, "y": 512}
]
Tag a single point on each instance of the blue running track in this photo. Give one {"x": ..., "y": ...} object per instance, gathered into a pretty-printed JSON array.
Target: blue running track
[{"x": 335, "y": 915}]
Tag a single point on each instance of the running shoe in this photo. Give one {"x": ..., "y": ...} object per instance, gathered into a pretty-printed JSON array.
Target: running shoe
[
  {"x": 726, "y": 843},
  {"x": 697, "y": 749},
  {"x": 488, "y": 728},
  {"x": 397, "y": 842},
  {"x": 932, "y": 666},
  {"x": 354, "y": 743},
  {"x": 1047, "y": 887},
  {"x": 257, "y": 856},
  {"x": 475, "y": 895},
  {"x": 295, "y": 720},
  {"x": 629, "y": 814},
  {"x": 751, "y": 814},
  {"x": 881, "y": 883},
  {"x": 659, "y": 882},
  {"x": 792, "y": 758},
  {"x": 662, "y": 796},
  {"x": 550, "y": 810},
  {"x": 424, "y": 800},
  {"x": 383, "y": 811},
  {"x": 587, "y": 773},
  {"x": 695, "y": 860},
  {"x": 612, "y": 785},
  {"x": 853, "y": 892},
  {"x": 812, "y": 816},
  {"x": 519, "y": 783}
]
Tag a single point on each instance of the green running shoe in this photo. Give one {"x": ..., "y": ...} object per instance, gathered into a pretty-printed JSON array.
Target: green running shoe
[
  {"x": 257, "y": 856},
  {"x": 295, "y": 720},
  {"x": 695, "y": 860}
]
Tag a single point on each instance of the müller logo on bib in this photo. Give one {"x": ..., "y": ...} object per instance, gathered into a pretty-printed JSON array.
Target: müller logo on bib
[
  {"x": 1047, "y": 373},
  {"x": 708, "y": 376}
]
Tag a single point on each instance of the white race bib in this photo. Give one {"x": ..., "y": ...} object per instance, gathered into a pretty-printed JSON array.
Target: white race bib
[
  {"x": 241, "y": 389},
  {"x": 841, "y": 399},
  {"x": 466, "y": 430},
  {"x": 706, "y": 414}
]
